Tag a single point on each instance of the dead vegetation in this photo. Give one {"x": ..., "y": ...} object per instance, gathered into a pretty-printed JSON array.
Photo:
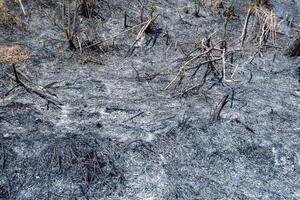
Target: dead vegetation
[
  {"x": 145, "y": 25},
  {"x": 217, "y": 4},
  {"x": 13, "y": 54},
  {"x": 73, "y": 162},
  {"x": 8, "y": 18},
  {"x": 215, "y": 56},
  {"x": 90, "y": 59},
  {"x": 212, "y": 57},
  {"x": 32, "y": 88},
  {"x": 87, "y": 8},
  {"x": 16, "y": 54},
  {"x": 69, "y": 21},
  {"x": 269, "y": 25}
]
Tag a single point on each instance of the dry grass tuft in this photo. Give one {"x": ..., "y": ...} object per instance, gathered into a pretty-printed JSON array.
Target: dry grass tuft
[
  {"x": 8, "y": 18},
  {"x": 270, "y": 24},
  {"x": 217, "y": 4},
  {"x": 13, "y": 54}
]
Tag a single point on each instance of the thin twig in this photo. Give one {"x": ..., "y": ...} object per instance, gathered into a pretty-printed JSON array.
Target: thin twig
[
  {"x": 221, "y": 106},
  {"x": 114, "y": 36},
  {"x": 199, "y": 85},
  {"x": 135, "y": 116},
  {"x": 183, "y": 67},
  {"x": 243, "y": 37},
  {"x": 12, "y": 89},
  {"x": 141, "y": 32},
  {"x": 20, "y": 1},
  {"x": 224, "y": 64}
]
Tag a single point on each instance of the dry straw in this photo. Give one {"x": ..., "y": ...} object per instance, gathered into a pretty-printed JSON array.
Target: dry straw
[{"x": 13, "y": 54}]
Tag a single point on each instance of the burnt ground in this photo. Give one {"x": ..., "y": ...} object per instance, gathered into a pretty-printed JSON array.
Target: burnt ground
[{"x": 119, "y": 134}]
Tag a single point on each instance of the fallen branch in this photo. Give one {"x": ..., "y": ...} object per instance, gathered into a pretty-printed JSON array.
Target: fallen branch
[{"x": 40, "y": 91}]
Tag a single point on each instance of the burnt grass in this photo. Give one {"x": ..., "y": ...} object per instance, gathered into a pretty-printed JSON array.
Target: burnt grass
[{"x": 119, "y": 134}]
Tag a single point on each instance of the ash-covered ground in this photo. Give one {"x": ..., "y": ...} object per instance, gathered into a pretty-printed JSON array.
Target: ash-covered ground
[{"x": 121, "y": 133}]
